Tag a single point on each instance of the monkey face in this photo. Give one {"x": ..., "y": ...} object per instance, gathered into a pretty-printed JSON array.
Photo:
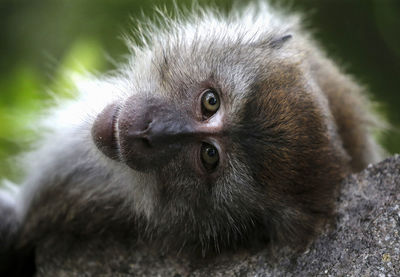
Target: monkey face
[
  {"x": 235, "y": 135},
  {"x": 146, "y": 132}
]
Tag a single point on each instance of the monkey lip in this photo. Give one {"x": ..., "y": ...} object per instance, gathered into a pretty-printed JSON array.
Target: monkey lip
[{"x": 104, "y": 131}]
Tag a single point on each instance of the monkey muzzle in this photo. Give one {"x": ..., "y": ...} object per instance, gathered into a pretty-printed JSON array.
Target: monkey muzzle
[{"x": 143, "y": 133}]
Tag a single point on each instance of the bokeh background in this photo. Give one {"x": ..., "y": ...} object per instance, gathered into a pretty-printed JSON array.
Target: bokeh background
[{"x": 42, "y": 40}]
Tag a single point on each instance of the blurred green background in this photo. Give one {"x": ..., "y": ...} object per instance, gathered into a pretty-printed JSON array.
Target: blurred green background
[{"x": 42, "y": 40}]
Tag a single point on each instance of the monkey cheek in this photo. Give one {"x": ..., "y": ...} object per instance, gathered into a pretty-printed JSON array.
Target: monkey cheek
[{"x": 103, "y": 132}]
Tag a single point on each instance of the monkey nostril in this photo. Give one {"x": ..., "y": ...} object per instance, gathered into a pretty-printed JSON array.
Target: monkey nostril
[
  {"x": 147, "y": 128},
  {"x": 146, "y": 142}
]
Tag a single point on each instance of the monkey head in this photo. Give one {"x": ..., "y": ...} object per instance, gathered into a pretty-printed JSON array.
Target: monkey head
[{"x": 234, "y": 136}]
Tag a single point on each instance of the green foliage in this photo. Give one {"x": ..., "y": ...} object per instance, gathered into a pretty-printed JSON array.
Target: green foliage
[
  {"x": 27, "y": 93},
  {"x": 83, "y": 56},
  {"x": 17, "y": 104}
]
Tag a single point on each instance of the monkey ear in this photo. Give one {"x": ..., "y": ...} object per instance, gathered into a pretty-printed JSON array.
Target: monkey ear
[{"x": 277, "y": 43}]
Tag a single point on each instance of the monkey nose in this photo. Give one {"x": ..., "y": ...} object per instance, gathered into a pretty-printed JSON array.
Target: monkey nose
[
  {"x": 150, "y": 132},
  {"x": 144, "y": 133}
]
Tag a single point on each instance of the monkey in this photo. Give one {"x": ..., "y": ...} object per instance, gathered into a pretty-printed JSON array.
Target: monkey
[{"x": 219, "y": 132}]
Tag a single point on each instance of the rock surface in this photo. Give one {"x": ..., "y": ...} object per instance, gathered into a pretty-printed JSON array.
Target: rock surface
[{"x": 365, "y": 242}]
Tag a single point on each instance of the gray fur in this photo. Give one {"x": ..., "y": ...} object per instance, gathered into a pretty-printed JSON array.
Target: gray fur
[{"x": 71, "y": 186}]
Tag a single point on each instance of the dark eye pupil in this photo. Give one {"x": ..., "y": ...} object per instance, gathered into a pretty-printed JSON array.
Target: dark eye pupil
[
  {"x": 211, "y": 152},
  {"x": 212, "y": 101}
]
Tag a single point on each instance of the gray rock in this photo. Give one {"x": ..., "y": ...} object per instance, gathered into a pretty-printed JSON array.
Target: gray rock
[{"x": 364, "y": 242}]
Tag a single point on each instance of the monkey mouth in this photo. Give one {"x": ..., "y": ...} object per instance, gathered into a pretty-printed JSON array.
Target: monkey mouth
[{"x": 104, "y": 131}]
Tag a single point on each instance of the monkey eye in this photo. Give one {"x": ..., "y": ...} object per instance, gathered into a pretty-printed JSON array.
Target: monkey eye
[
  {"x": 210, "y": 102},
  {"x": 209, "y": 156}
]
